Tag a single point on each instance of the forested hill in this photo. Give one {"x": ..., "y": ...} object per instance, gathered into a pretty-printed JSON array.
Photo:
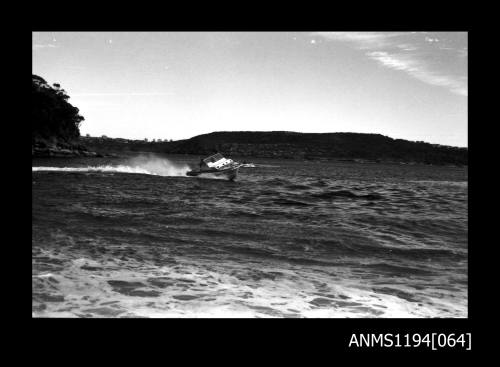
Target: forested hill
[
  {"x": 284, "y": 144},
  {"x": 53, "y": 117},
  {"x": 55, "y": 123}
]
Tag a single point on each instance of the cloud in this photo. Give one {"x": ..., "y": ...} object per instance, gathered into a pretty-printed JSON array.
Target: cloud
[
  {"x": 125, "y": 94},
  {"x": 415, "y": 53},
  {"x": 419, "y": 70},
  {"x": 363, "y": 40},
  {"x": 46, "y": 45},
  {"x": 430, "y": 39}
]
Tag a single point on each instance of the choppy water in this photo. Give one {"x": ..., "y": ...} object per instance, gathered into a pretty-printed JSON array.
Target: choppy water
[{"x": 135, "y": 237}]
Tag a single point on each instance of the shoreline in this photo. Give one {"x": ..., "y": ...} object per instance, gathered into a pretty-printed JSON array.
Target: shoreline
[
  {"x": 65, "y": 151},
  {"x": 83, "y": 153}
]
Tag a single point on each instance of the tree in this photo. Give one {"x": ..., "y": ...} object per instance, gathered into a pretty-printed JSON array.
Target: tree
[{"x": 53, "y": 117}]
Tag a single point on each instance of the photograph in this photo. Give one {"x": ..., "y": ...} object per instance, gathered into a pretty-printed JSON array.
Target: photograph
[{"x": 250, "y": 174}]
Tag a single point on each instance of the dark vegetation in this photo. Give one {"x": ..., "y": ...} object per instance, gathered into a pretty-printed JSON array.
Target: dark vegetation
[
  {"x": 53, "y": 117},
  {"x": 114, "y": 145},
  {"x": 55, "y": 123},
  {"x": 283, "y": 144}
]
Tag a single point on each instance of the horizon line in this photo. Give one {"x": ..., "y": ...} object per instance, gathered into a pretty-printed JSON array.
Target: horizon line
[{"x": 274, "y": 131}]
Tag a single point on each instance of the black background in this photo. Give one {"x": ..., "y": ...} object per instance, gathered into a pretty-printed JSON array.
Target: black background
[{"x": 179, "y": 341}]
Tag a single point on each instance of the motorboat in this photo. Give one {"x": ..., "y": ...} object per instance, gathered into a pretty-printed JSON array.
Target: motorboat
[{"x": 217, "y": 165}]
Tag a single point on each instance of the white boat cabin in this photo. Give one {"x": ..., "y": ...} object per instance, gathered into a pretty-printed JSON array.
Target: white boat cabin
[{"x": 217, "y": 161}]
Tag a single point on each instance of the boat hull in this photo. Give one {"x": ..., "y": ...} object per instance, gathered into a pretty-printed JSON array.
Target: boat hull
[{"x": 229, "y": 173}]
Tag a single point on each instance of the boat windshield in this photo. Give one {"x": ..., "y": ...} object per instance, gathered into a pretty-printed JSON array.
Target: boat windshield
[{"x": 213, "y": 158}]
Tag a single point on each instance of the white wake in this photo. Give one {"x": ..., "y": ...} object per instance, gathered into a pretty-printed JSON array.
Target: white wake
[{"x": 146, "y": 165}]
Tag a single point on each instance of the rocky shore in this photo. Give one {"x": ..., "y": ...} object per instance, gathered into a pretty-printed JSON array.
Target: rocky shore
[{"x": 45, "y": 150}]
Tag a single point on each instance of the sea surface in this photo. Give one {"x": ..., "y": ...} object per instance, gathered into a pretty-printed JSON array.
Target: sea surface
[{"x": 135, "y": 237}]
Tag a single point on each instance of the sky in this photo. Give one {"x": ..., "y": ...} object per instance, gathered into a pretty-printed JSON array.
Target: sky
[{"x": 175, "y": 85}]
